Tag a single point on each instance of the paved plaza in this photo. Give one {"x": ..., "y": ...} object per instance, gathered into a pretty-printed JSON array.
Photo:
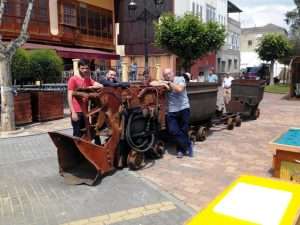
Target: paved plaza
[
  {"x": 32, "y": 192},
  {"x": 225, "y": 155},
  {"x": 166, "y": 191}
]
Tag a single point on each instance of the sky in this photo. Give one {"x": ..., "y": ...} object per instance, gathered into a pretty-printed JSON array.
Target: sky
[{"x": 261, "y": 12}]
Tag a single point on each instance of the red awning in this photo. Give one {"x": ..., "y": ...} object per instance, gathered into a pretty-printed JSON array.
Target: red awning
[{"x": 74, "y": 53}]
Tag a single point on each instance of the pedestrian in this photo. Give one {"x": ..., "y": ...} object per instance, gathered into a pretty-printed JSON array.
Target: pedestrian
[
  {"x": 133, "y": 71},
  {"x": 82, "y": 81},
  {"x": 178, "y": 112},
  {"x": 201, "y": 77},
  {"x": 212, "y": 78},
  {"x": 227, "y": 81},
  {"x": 110, "y": 80}
]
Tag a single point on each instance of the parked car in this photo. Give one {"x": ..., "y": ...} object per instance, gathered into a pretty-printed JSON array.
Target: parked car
[{"x": 261, "y": 72}]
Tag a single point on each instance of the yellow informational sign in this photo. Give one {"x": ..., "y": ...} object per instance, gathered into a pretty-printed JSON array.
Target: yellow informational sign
[{"x": 253, "y": 200}]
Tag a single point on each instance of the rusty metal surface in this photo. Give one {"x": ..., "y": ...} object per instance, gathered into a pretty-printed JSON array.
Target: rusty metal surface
[
  {"x": 245, "y": 97},
  {"x": 203, "y": 101},
  {"x": 121, "y": 124}
]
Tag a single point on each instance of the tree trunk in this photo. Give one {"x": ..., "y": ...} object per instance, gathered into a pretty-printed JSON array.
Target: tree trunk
[
  {"x": 272, "y": 73},
  {"x": 6, "y": 52},
  {"x": 7, "y": 98}
]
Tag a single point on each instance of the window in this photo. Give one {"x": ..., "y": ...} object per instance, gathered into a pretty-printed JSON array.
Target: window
[
  {"x": 223, "y": 65},
  {"x": 69, "y": 15},
  {"x": 229, "y": 65},
  {"x": 201, "y": 12},
  {"x": 235, "y": 64},
  {"x": 193, "y": 8},
  {"x": 95, "y": 22},
  {"x": 249, "y": 43},
  {"x": 18, "y": 8},
  {"x": 210, "y": 13},
  {"x": 15, "y": 11},
  {"x": 219, "y": 64},
  {"x": 43, "y": 7},
  {"x": 82, "y": 20}
]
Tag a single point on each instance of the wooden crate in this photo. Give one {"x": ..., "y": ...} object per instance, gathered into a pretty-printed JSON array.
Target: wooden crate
[
  {"x": 47, "y": 105},
  {"x": 286, "y": 160},
  {"x": 22, "y": 105},
  {"x": 286, "y": 165}
]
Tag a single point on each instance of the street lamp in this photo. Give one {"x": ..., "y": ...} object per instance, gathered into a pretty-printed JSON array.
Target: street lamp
[{"x": 145, "y": 16}]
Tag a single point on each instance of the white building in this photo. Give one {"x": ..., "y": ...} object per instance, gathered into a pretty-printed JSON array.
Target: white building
[
  {"x": 227, "y": 60},
  {"x": 249, "y": 41}
]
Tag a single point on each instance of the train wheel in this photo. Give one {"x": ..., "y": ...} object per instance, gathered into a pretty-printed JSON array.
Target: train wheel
[
  {"x": 192, "y": 135},
  {"x": 257, "y": 113},
  {"x": 238, "y": 121},
  {"x": 230, "y": 124},
  {"x": 202, "y": 134},
  {"x": 159, "y": 149},
  {"x": 135, "y": 160}
]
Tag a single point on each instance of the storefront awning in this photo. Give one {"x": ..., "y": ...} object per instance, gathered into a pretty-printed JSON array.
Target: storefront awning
[{"x": 74, "y": 53}]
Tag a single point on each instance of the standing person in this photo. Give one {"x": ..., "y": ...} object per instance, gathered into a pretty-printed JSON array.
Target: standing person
[
  {"x": 110, "y": 80},
  {"x": 212, "y": 78},
  {"x": 83, "y": 80},
  {"x": 178, "y": 112},
  {"x": 227, "y": 81},
  {"x": 133, "y": 71}
]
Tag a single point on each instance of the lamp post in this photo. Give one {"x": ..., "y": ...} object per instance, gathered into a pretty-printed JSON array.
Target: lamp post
[{"x": 145, "y": 16}]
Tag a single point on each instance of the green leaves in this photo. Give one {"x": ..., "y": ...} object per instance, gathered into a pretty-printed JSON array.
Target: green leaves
[
  {"x": 42, "y": 64},
  {"x": 20, "y": 65},
  {"x": 273, "y": 47},
  {"x": 187, "y": 37},
  {"x": 46, "y": 65},
  {"x": 293, "y": 19}
]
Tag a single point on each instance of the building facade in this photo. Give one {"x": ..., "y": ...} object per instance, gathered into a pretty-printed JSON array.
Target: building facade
[
  {"x": 74, "y": 29},
  {"x": 228, "y": 57},
  {"x": 131, "y": 35},
  {"x": 250, "y": 39}
]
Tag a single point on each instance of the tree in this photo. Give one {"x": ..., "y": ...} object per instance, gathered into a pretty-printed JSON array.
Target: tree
[
  {"x": 20, "y": 66},
  {"x": 273, "y": 47},
  {"x": 293, "y": 19},
  {"x": 46, "y": 65},
  {"x": 188, "y": 37},
  {"x": 6, "y": 53}
]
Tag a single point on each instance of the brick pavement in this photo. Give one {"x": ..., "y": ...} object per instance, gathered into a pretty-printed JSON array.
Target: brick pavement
[
  {"x": 225, "y": 155},
  {"x": 32, "y": 192}
]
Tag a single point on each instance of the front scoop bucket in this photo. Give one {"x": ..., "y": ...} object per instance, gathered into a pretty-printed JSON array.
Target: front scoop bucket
[{"x": 80, "y": 161}]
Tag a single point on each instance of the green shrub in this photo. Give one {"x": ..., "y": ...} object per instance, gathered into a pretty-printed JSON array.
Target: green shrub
[
  {"x": 20, "y": 67},
  {"x": 46, "y": 65}
]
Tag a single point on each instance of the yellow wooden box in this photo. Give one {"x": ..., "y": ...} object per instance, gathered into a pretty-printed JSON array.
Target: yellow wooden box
[
  {"x": 286, "y": 159},
  {"x": 289, "y": 148},
  {"x": 253, "y": 200}
]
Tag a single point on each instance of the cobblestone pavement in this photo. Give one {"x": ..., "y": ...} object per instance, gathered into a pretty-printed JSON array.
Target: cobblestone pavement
[
  {"x": 32, "y": 192},
  {"x": 225, "y": 155},
  {"x": 41, "y": 127}
]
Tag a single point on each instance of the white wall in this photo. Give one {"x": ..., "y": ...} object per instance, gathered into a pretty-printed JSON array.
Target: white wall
[{"x": 183, "y": 6}]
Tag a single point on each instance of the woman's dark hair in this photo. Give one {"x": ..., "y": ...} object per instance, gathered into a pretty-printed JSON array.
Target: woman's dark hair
[{"x": 186, "y": 77}]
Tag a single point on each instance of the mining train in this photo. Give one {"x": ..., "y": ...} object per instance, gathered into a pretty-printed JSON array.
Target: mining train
[{"x": 124, "y": 124}]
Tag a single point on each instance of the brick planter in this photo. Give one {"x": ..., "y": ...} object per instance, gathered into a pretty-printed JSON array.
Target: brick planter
[{"x": 47, "y": 105}]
